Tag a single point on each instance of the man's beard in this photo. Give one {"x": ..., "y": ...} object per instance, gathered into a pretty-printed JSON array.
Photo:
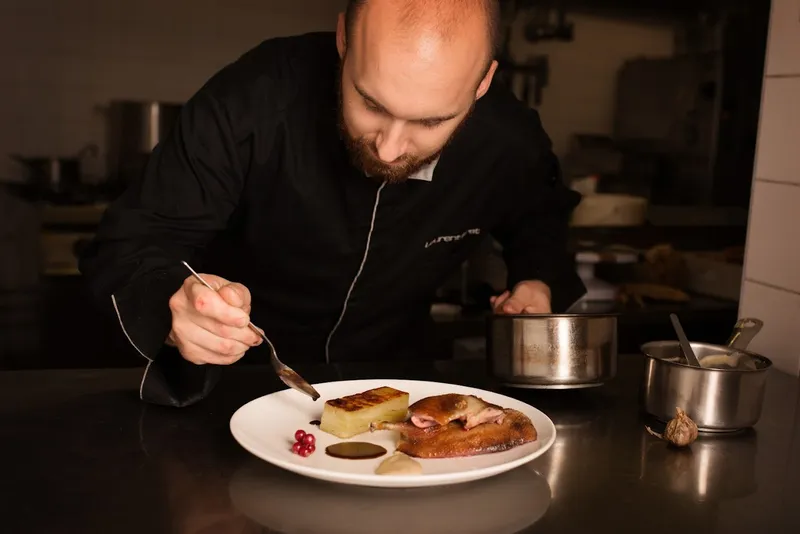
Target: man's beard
[{"x": 364, "y": 154}]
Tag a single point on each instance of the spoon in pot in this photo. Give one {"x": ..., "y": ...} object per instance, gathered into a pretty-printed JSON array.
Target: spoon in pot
[
  {"x": 743, "y": 332},
  {"x": 285, "y": 373},
  {"x": 687, "y": 348}
]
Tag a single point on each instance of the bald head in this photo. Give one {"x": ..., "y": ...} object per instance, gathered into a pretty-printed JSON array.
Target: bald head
[{"x": 443, "y": 17}]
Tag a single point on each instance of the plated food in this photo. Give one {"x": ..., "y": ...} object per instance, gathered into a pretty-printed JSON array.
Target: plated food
[
  {"x": 268, "y": 428},
  {"x": 449, "y": 425},
  {"x": 399, "y": 464}
]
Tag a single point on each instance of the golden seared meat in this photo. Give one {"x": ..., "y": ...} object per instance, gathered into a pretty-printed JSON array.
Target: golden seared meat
[
  {"x": 442, "y": 409},
  {"x": 452, "y": 440}
]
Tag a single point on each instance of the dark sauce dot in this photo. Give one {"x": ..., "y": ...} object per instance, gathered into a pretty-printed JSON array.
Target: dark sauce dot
[{"x": 355, "y": 450}]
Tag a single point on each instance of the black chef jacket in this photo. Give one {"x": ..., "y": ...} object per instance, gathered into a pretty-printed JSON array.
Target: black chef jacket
[{"x": 254, "y": 184}]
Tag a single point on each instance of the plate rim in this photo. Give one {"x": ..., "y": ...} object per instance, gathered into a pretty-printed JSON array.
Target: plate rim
[{"x": 402, "y": 481}]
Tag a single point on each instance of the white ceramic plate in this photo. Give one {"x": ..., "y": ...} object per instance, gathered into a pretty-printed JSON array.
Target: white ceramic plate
[{"x": 265, "y": 427}]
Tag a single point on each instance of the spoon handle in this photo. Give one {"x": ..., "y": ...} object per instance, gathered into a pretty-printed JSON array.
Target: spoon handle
[
  {"x": 744, "y": 332},
  {"x": 687, "y": 348}
]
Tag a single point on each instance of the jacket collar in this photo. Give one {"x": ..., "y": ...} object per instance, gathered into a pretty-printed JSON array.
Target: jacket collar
[{"x": 425, "y": 174}]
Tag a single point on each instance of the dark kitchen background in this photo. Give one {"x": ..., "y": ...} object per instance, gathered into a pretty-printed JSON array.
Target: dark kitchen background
[{"x": 657, "y": 109}]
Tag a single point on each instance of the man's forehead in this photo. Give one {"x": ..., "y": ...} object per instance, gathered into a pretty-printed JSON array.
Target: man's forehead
[{"x": 404, "y": 85}]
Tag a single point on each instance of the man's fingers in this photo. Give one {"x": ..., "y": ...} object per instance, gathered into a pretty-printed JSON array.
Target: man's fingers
[
  {"x": 236, "y": 295},
  {"x": 526, "y": 298},
  {"x": 211, "y": 348},
  {"x": 498, "y": 301},
  {"x": 210, "y": 326},
  {"x": 213, "y": 280},
  {"x": 511, "y": 306},
  {"x": 241, "y": 334},
  {"x": 210, "y": 304}
]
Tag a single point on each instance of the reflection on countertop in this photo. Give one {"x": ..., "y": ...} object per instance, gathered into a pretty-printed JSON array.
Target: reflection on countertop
[{"x": 505, "y": 504}]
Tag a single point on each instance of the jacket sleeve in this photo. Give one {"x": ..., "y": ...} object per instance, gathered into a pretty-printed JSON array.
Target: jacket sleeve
[
  {"x": 534, "y": 234},
  {"x": 184, "y": 198}
]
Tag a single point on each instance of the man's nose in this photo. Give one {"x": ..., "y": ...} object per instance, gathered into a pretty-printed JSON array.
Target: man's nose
[{"x": 391, "y": 142}]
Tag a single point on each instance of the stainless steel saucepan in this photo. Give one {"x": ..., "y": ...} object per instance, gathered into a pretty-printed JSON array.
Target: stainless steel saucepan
[
  {"x": 552, "y": 351},
  {"x": 724, "y": 394}
]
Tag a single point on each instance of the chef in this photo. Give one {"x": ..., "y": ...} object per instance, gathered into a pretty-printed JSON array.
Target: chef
[{"x": 327, "y": 184}]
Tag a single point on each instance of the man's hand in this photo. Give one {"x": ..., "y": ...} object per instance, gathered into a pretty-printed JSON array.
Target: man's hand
[
  {"x": 527, "y": 297},
  {"x": 211, "y": 326}
]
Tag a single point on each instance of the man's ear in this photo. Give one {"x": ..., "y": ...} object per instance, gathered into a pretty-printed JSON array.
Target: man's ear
[
  {"x": 341, "y": 36},
  {"x": 486, "y": 82}
]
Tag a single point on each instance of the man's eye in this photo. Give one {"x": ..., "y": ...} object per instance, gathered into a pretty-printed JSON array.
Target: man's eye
[
  {"x": 430, "y": 124},
  {"x": 370, "y": 106}
]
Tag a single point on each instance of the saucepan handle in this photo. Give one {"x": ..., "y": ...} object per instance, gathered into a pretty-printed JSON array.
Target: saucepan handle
[{"x": 744, "y": 331}]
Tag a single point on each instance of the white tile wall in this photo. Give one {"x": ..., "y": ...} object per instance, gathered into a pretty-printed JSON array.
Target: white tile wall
[
  {"x": 771, "y": 290},
  {"x": 773, "y": 252},
  {"x": 783, "y": 54},
  {"x": 61, "y": 61},
  {"x": 778, "y": 144}
]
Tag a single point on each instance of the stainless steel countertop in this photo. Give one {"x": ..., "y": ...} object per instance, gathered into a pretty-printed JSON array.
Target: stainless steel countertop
[{"x": 81, "y": 453}]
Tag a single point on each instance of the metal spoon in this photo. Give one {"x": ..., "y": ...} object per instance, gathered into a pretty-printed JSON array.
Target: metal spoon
[
  {"x": 687, "y": 348},
  {"x": 743, "y": 333},
  {"x": 285, "y": 373}
]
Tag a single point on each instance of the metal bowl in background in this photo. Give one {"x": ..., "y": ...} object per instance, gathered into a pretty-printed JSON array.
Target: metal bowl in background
[
  {"x": 717, "y": 399},
  {"x": 134, "y": 128},
  {"x": 50, "y": 174},
  {"x": 558, "y": 351}
]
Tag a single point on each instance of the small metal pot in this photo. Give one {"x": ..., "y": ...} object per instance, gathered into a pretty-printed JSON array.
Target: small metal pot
[
  {"x": 51, "y": 174},
  {"x": 55, "y": 174},
  {"x": 718, "y": 398},
  {"x": 552, "y": 351}
]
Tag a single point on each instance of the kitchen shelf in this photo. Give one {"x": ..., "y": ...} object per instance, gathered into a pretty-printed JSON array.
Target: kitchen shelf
[{"x": 646, "y": 236}]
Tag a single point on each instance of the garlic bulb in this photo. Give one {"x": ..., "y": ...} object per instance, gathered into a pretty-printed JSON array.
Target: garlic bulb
[{"x": 681, "y": 431}]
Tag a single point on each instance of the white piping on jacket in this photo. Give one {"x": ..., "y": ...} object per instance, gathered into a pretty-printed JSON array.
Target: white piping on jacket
[
  {"x": 144, "y": 376},
  {"x": 358, "y": 273},
  {"x": 149, "y": 360},
  {"x": 119, "y": 317}
]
